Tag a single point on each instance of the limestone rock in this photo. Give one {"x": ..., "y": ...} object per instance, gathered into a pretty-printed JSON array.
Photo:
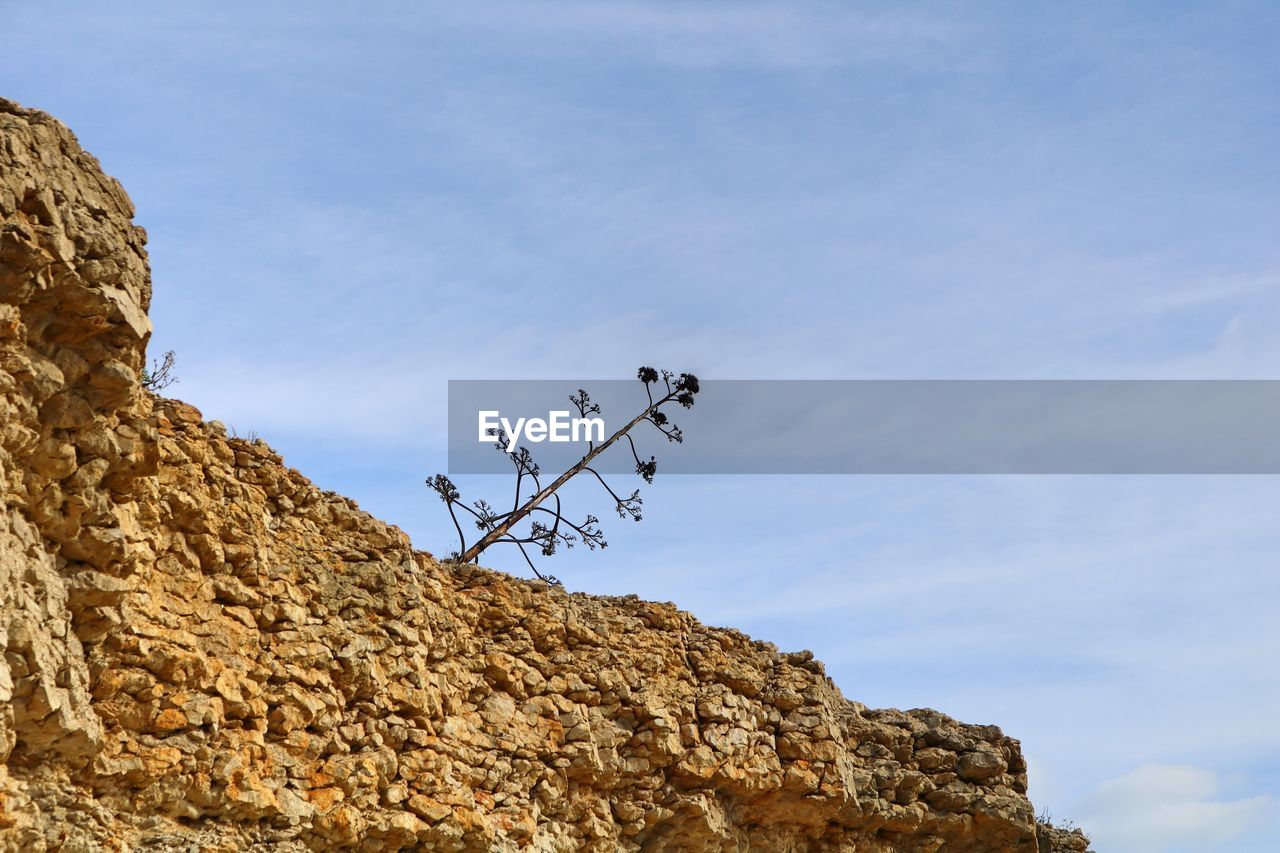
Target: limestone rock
[{"x": 202, "y": 650}]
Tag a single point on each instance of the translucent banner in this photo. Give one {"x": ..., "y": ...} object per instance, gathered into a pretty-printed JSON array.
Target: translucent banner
[{"x": 745, "y": 426}]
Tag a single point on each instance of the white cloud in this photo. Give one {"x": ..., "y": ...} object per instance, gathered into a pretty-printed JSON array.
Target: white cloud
[{"x": 1164, "y": 807}]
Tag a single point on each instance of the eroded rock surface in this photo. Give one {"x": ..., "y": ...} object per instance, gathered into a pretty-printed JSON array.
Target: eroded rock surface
[{"x": 203, "y": 651}]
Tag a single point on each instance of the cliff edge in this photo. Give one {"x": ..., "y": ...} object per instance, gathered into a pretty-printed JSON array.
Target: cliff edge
[{"x": 204, "y": 651}]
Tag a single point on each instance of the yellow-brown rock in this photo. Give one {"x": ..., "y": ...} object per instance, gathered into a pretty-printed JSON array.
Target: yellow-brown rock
[{"x": 203, "y": 651}]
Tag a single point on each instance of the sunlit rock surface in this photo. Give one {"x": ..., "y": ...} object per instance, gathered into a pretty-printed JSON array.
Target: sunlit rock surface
[{"x": 203, "y": 651}]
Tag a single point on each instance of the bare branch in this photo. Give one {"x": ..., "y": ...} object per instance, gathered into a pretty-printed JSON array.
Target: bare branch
[
  {"x": 559, "y": 531},
  {"x": 159, "y": 375}
]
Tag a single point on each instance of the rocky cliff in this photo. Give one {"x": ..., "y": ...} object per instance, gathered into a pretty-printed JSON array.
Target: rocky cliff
[{"x": 203, "y": 651}]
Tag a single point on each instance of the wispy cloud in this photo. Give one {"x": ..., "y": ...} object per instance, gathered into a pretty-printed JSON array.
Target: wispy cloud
[{"x": 1159, "y": 808}]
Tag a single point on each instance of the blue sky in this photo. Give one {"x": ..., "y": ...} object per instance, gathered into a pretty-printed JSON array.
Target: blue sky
[{"x": 351, "y": 205}]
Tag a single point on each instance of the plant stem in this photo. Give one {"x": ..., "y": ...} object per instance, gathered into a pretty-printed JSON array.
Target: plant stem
[{"x": 501, "y": 530}]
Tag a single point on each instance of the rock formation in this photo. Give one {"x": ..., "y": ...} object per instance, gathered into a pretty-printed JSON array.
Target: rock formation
[{"x": 203, "y": 651}]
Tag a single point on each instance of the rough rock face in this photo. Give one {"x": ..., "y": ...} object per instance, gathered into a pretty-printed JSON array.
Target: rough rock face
[{"x": 203, "y": 651}]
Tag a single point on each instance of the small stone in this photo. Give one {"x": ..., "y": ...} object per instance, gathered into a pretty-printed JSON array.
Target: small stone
[
  {"x": 980, "y": 765},
  {"x": 170, "y": 719},
  {"x": 428, "y": 809}
]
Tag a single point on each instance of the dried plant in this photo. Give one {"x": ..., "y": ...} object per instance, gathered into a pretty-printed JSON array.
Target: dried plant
[
  {"x": 160, "y": 375},
  {"x": 548, "y": 527}
]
